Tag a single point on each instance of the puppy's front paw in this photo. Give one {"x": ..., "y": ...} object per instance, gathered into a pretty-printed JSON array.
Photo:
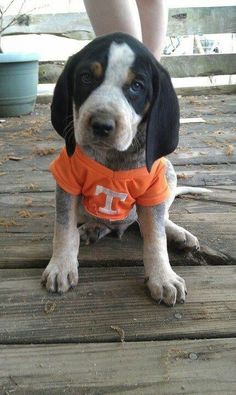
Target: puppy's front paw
[
  {"x": 59, "y": 276},
  {"x": 168, "y": 288}
]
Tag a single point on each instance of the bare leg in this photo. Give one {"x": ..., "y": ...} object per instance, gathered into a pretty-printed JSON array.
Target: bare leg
[
  {"x": 146, "y": 20},
  {"x": 154, "y": 19},
  {"x": 114, "y": 16}
]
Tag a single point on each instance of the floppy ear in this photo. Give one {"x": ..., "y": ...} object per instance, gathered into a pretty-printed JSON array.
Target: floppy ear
[
  {"x": 163, "y": 119},
  {"x": 61, "y": 108}
]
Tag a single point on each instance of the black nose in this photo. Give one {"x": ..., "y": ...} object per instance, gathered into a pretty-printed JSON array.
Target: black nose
[{"x": 102, "y": 128}]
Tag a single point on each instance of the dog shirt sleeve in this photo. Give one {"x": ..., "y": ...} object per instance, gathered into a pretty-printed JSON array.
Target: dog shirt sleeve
[
  {"x": 62, "y": 170},
  {"x": 158, "y": 190}
]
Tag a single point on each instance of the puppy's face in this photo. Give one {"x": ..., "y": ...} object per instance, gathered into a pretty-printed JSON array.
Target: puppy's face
[
  {"x": 112, "y": 92},
  {"x": 107, "y": 89}
]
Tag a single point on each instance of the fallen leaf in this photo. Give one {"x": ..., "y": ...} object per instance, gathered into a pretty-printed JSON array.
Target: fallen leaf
[
  {"x": 120, "y": 332},
  {"x": 24, "y": 214},
  {"x": 49, "y": 307},
  {"x": 229, "y": 150},
  {"x": 183, "y": 176},
  {"x": 44, "y": 151},
  {"x": 16, "y": 158}
]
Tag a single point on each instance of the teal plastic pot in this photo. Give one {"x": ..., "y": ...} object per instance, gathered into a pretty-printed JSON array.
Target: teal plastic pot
[{"x": 18, "y": 83}]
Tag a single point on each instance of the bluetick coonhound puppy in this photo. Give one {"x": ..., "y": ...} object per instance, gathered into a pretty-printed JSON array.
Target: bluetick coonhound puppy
[{"x": 117, "y": 103}]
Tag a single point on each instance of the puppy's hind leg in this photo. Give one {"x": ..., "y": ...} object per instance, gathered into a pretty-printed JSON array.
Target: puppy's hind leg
[
  {"x": 181, "y": 238},
  {"x": 91, "y": 232},
  {"x": 175, "y": 233}
]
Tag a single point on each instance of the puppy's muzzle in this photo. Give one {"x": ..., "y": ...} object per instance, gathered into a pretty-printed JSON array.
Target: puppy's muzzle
[{"x": 102, "y": 126}]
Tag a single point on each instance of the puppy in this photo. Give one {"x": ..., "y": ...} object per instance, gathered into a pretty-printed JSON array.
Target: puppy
[{"x": 116, "y": 108}]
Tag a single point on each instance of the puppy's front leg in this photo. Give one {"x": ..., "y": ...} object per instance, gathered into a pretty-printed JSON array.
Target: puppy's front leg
[
  {"x": 164, "y": 284},
  {"x": 62, "y": 271}
]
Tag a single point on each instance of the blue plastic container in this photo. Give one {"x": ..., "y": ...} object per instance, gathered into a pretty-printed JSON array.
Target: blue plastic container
[{"x": 18, "y": 83}]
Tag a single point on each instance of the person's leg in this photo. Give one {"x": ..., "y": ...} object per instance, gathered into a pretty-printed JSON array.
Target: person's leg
[
  {"x": 107, "y": 16},
  {"x": 154, "y": 19}
]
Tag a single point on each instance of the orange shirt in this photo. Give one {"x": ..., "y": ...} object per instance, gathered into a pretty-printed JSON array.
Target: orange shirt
[{"x": 109, "y": 194}]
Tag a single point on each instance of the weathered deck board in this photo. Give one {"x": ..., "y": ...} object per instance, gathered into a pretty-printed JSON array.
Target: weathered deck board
[
  {"x": 41, "y": 180},
  {"x": 212, "y": 142},
  {"x": 27, "y": 220},
  {"x": 180, "y": 66},
  {"x": 36, "y": 205},
  {"x": 144, "y": 368},
  {"x": 210, "y": 139},
  {"x": 115, "y": 296}
]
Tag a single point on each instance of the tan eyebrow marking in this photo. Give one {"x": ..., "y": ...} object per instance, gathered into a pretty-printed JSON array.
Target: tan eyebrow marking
[
  {"x": 130, "y": 77},
  {"x": 97, "y": 69},
  {"x": 146, "y": 107}
]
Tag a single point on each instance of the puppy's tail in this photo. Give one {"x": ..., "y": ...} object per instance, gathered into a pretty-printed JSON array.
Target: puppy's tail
[{"x": 193, "y": 190}]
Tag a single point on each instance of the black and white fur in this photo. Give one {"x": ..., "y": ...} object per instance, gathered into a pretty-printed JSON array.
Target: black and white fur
[{"x": 118, "y": 103}]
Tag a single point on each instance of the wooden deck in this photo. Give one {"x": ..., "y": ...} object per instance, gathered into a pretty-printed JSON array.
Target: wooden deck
[{"x": 108, "y": 336}]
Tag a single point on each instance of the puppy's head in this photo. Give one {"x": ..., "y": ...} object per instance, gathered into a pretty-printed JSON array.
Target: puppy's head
[{"x": 107, "y": 90}]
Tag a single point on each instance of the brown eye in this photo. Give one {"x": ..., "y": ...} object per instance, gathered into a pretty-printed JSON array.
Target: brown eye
[
  {"x": 136, "y": 87},
  {"x": 86, "y": 78}
]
